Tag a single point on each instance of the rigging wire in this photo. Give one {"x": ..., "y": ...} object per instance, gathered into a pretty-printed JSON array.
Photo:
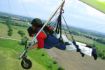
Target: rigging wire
[
  {"x": 25, "y": 10},
  {"x": 73, "y": 40},
  {"x": 68, "y": 29},
  {"x": 9, "y": 7},
  {"x": 93, "y": 43},
  {"x": 28, "y": 14}
]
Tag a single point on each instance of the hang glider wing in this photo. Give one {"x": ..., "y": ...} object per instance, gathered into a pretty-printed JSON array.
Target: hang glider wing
[{"x": 97, "y": 4}]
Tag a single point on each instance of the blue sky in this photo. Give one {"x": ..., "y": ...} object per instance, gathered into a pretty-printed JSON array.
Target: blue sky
[{"x": 76, "y": 13}]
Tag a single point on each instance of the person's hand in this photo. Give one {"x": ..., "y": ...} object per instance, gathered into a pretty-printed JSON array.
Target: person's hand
[{"x": 32, "y": 43}]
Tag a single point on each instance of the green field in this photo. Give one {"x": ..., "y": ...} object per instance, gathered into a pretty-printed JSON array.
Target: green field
[
  {"x": 10, "y": 51},
  {"x": 4, "y": 31}
]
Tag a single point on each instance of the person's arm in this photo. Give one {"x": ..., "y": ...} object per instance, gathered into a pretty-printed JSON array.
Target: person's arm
[
  {"x": 30, "y": 32},
  {"x": 40, "y": 41},
  {"x": 41, "y": 38},
  {"x": 33, "y": 47}
]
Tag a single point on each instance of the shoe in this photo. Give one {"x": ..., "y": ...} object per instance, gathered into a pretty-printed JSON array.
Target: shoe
[
  {"x": 67, "y": 43},
  {"x": 94, "y": 54},
  {"x": 82, "y": 54},
  {"x": 78, "y": 50}
]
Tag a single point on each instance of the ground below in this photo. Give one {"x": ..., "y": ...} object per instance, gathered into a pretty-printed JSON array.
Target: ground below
[{"x": 73, "y": 61}]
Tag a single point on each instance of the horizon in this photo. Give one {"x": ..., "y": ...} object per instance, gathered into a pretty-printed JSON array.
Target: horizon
[
  {"x": 54, "y": 21},
  {"x": 77, "y": 13}
]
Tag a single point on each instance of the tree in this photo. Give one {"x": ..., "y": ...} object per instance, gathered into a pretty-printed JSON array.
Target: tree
[
  {"x": 60, "y": 68},
  {"x": 24, "y": 41},
  {"x": 10, "y": 32},
  {"x": 21, "y": 33},
  {"x": 8, "y": 23}
]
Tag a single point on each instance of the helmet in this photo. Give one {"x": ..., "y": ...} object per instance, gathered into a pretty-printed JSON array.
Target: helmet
[{"x": 36, "y": 22}]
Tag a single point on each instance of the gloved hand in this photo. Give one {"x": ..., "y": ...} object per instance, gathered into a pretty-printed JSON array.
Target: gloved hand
[{"x": 32, "y": 43}]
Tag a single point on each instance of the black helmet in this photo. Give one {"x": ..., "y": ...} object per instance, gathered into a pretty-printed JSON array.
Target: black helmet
[{"x": 36, "y": 22}]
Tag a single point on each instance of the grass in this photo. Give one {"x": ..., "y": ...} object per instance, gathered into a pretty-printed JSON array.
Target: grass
[
  {"x": 10, "y": 51},
  {"x": 4, "y": 33},
  {"x": 41, "y": 60},
  {"x": 81, "y": 39}
]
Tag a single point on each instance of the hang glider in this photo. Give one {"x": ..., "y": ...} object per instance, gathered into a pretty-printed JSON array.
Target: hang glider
[
  {"x": 56, "y": 39},
  {"x": 97, "y": 4}
]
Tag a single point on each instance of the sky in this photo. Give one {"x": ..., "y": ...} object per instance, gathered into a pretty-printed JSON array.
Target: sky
[{"x": 77, "y": 14}]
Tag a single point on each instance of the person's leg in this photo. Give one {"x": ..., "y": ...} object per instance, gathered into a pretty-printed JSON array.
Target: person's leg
[
  {"x": 52, "y": 41},
  {"x": 61, "y": 46},
  {"x": 49, "y": 42},
  {"x": 80, "y": 47},
  {"x": 71, "y": 45}
]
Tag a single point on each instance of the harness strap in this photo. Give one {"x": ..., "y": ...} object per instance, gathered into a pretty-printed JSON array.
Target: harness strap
[{"x": 59, "y": 23}]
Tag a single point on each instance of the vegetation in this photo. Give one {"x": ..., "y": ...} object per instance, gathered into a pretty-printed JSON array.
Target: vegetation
[
  {"x": 23, "y": 41},
  {"x": 39, "y": 62},
  {"x": 60, "y": 68},
  {"x": 39, "y": 57},
  {"x": 10, "y": 32},
  {"x": 92, "y": 38},
  {"x": 21, "y": 33},
  {"x": 8, "y": 23},
  {"x": 15, "y": 35}
]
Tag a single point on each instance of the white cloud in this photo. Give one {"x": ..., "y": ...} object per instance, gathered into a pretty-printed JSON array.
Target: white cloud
[
  {"x": 50, "y": 5},
  {"x": 29, "y": 1},
  {"x": 68, "y": 2},
  {"x": 45, "y": 3},
  {"x": 41, "y": 3}
]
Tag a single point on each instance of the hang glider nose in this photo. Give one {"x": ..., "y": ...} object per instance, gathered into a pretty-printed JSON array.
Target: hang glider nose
[{"x": 97, "y": 4}]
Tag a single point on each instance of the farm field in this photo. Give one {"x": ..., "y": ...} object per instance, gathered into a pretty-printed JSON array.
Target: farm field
[
  {"x": 10, "y": 50},
  {"x": 72, "y": 37}
]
